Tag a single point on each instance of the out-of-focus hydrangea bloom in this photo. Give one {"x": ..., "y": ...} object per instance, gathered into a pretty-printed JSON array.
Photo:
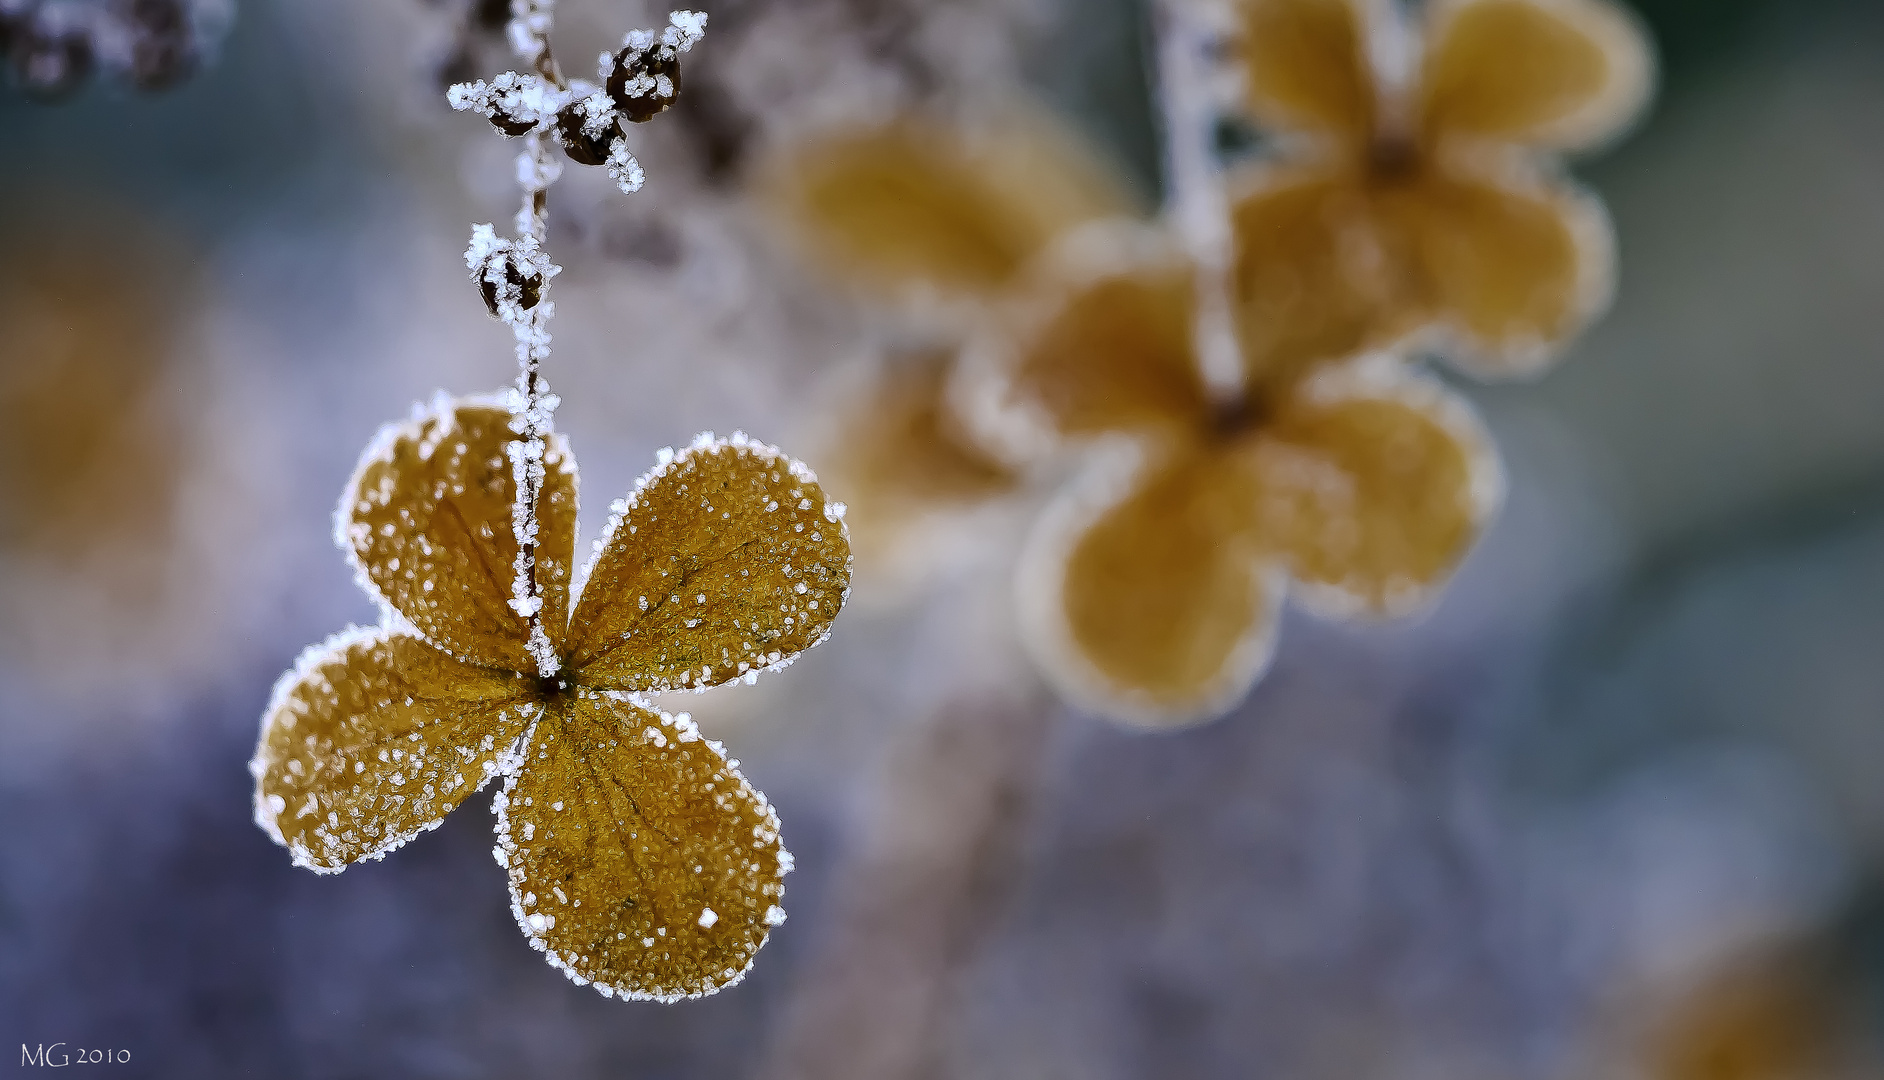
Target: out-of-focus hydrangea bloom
[{"x": 1414, "y": 190}]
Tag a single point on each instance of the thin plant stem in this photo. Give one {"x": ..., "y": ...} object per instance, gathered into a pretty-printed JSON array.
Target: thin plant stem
[
  {"x": 1195, "y": 201},
  {"x": 529, "y": 30}
]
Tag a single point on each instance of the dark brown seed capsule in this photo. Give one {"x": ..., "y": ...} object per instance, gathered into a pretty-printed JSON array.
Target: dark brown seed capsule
[
  {"x": 51, "y": 64},
  {"x": 531, "y": 287},
  {"x": 630, "y": 65},
  {"x": 582, "y": 149},
  {"x": 511, "y": 126}
]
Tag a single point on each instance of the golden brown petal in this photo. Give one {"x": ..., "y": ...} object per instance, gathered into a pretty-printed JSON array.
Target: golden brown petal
[
  {"x": 1107, "y": 347},
  {"x": 426, "y": 522},
  {"x": 639, "y": 859},
  {"x": 1142, "y": 594},
  {"x": 1511, "y": 266},
  {"x": 904, "y": 456},
  {"x": 373, "y": 738},
  {"x": 920, "y": 205},
  {"x": 1557, "y": 73},
  {"x": 725, "y": 560},
  {"x": 1316, "y": 277},
  {"x": 1307, "y": 65},
  {"x": 1374, "y": 483}
]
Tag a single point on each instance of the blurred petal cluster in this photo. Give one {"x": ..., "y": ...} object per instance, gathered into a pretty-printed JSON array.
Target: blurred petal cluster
[
  {"x": 1404, "y": 202},
  {"x": 1412, "y": 192}
]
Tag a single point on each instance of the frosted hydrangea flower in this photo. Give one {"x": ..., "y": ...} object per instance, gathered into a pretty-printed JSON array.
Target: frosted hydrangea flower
[
  {"x": 1150, "y": 588},
  {"x": 1414, "y": 190},
  {"x": 639, "y": 859}
]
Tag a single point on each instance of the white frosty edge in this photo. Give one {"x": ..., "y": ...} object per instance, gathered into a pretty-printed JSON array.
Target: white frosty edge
[
  {"x": 1385, "y": 376},
  {"x": 506, "y": 848},
  {"x": 312, "y": 658},
  {"x": 1040, "y": 579},
  {"x": 707, "y": 443},
  {"x": 379, "y": 449}
]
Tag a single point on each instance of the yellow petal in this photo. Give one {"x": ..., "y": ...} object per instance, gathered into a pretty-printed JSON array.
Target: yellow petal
[
  {"x": 904, "y": 456},
  {"x": 1307, "y": 66},
  {"x": 1374, "y": 484},
  {"x": 1315, "y": 277},
  {"x": 426, "y": 522},
  {"x": 373, "y": 738},
  {"x": 726, "y": 559},
  {"x": 1510, "y": 266},
  {"x": 1557, "y": 73},
  {"x": 920, "y": 205},
  {"x": 639, "y": 859},
  {"x": 1142, "y": 596},
  {"x": 1105, "y": 346}
]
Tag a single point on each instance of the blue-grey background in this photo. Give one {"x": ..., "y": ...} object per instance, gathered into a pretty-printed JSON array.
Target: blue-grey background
[{"x": 1637, "y": 746}]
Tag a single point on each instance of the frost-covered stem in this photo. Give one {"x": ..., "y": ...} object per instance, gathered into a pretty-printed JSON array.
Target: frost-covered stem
[
  {"x": 547, "y": 112},
  {"x": 529, "y": 32},
  {"x": 1189, "y": 83},
  {"x": 536, "y": 171}
]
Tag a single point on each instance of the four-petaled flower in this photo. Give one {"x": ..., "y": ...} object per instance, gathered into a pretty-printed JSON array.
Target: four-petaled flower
[
  {"x": 1150, "y": 588},
  {"x": 1413, "y": 192},
  {"x": 639, "y": 858}
]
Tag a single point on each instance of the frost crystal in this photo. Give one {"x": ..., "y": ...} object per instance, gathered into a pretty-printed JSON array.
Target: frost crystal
[{"x": 623, "y": 168}]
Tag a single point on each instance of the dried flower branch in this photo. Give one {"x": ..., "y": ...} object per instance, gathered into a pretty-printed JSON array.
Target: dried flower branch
[{"x": 639, "y": 859}]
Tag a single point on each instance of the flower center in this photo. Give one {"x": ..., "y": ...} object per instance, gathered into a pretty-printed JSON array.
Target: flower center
[
  {"x": 554, "y": 688},
  {"x": 1392, "y": 158}
]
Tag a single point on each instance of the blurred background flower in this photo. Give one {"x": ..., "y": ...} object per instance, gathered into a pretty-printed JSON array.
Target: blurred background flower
[{"x": 1610, "y": 810}]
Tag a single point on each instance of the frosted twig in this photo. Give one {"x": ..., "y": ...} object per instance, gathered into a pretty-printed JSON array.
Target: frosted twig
[
  {"x": 547, "y": 112},
  {"x": 1191, "y": 86}
]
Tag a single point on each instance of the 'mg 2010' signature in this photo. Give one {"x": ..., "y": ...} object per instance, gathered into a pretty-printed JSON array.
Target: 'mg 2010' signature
[{"x": 57, "y": 1056}]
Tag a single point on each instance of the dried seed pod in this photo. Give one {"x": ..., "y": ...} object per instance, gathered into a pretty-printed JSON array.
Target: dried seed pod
[
  {"x": 576, "y": 129},
  {"x": 643, "y": 82},
  {"x": 528, "y": 286},
  {"x": 511, "y": 124},
  {"x": 51, "y": 62}
]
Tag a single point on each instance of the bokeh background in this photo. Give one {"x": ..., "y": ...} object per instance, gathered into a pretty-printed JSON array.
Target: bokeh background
[{"x": 1613, "y": 810}]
